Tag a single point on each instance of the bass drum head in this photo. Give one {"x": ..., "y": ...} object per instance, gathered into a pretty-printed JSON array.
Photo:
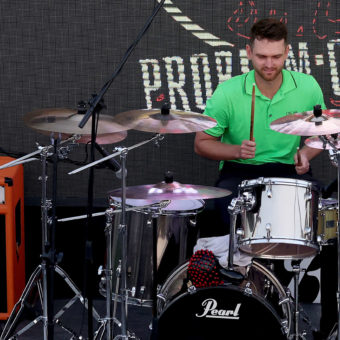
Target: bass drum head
[
  {"x": 247, "y": 311},
  {"x": 218, "y": 313}
]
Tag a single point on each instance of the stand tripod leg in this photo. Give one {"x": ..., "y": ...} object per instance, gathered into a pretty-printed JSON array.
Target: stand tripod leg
[
  {"x": 16, "y": 313},
  {"x": 78, "y": 295}
]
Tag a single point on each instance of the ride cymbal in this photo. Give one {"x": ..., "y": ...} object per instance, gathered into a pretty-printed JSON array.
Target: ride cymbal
[
  {"x": 164, "y": 121},
  {"x": 171, "y": 191},
  {"x": 67, "y": 120},
  {"x": 307, "y": 124}
]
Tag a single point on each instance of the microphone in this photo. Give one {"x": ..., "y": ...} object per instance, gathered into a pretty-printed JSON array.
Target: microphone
[{"x": 111, "y": 163}]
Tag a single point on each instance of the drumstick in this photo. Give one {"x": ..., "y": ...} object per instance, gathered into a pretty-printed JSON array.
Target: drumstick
[
  {"x": 298, "y": 157},
  {"x": 252, "y": 114}
]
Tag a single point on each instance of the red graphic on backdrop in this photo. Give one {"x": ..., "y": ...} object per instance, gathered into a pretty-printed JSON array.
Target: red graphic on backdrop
[
  {"x": 323, "y": 19},
  {"x": 160, "y": 98},
  {"x": 329, "y": 23}
]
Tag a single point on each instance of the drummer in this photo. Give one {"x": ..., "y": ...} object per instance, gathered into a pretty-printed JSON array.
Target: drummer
[{"x": 277, "y": 93}]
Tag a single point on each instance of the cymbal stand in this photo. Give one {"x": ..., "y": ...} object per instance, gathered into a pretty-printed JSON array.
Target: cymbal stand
[
  {"x": 335, "y": 159},
  {"x": 296, "y": 334},
  {"x": 107, "y": 321},
  {"x": 43, "y": 275}
]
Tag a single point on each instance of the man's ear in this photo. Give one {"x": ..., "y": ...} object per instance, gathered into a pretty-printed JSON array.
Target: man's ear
[{"x": 249, "y": 51}]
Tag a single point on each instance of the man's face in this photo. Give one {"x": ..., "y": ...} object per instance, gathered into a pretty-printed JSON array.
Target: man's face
[{"x": 268, "y": 57}]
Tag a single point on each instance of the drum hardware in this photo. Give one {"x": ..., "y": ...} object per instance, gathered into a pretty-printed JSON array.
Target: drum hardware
[
  {"x": 297, "y": 334},
  {"x": 107, "y": 327},
  {"x": 118, "y": 152},
  {"x": 115, "y": 211},
  {"x": 43, "y": 275}
]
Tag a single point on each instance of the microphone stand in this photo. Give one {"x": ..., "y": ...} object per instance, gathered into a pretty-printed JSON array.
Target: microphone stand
[
  {"x": 127, "y": 54},
  {"x": 91, "y": 112}
]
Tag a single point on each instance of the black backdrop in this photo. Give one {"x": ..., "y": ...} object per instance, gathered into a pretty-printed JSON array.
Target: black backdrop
[{"x": 56, "y": 53}]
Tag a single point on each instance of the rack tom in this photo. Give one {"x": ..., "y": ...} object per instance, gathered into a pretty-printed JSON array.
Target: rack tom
[{"x": 279, "y": 218}]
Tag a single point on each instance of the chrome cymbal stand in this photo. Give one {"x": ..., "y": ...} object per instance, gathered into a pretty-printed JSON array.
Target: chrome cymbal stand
[
  {"x": 108, "y": 321},
  {"x": 43, "y": 274}
]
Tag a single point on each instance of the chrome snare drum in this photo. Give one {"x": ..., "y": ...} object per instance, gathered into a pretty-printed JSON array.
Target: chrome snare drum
[
  {"x": 278, "y": 218},
  {"x": 256, "y": 308},
  {"x": 176, "y": 237},
  {"x": 327, "y": 219}
]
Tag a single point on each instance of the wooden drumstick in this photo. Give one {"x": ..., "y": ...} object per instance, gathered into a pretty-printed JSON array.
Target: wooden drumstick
[
  {"x": 252, "y": 114},
  {"x": 298, "y": 157}
]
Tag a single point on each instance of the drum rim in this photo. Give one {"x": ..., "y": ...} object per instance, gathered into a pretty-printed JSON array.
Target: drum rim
[
  {"x": 166, "y": 212},
  {"x": 276, "y": 181}
]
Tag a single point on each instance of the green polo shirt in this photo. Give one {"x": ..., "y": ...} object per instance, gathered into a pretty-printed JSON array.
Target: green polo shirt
[{"x": 230, "y": 105}]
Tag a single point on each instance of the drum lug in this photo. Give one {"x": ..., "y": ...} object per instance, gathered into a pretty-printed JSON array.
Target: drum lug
[
  {"x": 269, "y": 190},
  {"x": 192, "y": 289},
  {"x": 268, "y": 230},
  {"x": 161, "y": 297},
  {"x": 285, "y": 328},
  {"x": 308, "y": 231},
  {"x": 240, "y": 232},
  {"x": 248, "y": 291}
]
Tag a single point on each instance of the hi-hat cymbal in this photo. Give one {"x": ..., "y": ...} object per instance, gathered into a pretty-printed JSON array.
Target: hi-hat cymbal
[
  {"x": 171, "y": 191},
  {"x": 306, "y": 124},
  {"x": 67, "y": 120},
  {"x": 317, "y": 143},
  {"x": 164, "y": 121}
]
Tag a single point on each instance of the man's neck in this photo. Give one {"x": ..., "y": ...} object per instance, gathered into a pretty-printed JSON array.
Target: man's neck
[{"x": 268, "y": 88}]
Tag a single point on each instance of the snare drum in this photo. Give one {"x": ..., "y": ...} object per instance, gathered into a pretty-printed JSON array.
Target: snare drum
[
  {"x": 279, "y": 218},
  {"x": 176, "y": 237},
  {"x": 327, "y": 219},
  {"x": 257, "y": 308}
]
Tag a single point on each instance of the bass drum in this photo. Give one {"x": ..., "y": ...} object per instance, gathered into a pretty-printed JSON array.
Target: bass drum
[{"x": 257, "y": 308}]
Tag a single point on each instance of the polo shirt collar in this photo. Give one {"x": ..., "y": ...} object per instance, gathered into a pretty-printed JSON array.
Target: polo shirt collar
[{"x": 288, "y": 84}]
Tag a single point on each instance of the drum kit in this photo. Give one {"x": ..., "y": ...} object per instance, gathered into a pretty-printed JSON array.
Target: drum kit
[{"x": 150, "y": 233}]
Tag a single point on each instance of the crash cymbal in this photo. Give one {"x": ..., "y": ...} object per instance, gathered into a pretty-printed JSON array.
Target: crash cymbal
[
  {"x": 164, "y": 121},
  {"x": 306, "y": 124},
  {"x": 317, "y": 143},
  {"x": 67, "y": 120},
  {"x": 171, "y": 191}
]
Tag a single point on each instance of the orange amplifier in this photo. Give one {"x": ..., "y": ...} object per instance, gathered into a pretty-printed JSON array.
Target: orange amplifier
[{"x": 12, "y": 237}]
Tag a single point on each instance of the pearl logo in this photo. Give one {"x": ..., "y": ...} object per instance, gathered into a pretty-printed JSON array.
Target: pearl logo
[{"x": 211, "y": 311}]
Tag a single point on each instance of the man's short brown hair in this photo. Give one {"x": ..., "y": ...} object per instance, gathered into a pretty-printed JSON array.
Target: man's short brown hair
[{"x": 269, "y": 28}]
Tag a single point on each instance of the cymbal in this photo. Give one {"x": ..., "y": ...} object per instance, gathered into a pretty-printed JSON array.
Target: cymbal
[
  {"x": 164, "y": 121},
  {"x": 171, "y": 191},
  {"x": 105, "y": 138},
  {"x": 67, "y": 120},
  {"x": 306, "y": 124},
  {"x": 316, "y": 143}
]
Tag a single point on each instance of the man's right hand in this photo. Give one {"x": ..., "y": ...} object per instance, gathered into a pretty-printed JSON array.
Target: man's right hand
[{"x": 247, "y": 149}]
